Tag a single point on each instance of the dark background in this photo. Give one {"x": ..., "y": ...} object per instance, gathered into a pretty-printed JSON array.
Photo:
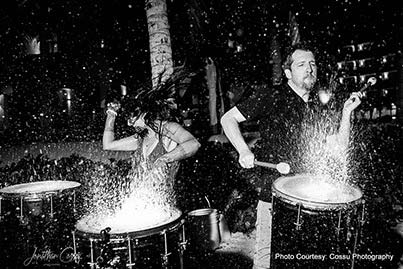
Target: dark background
[{"x": 199, "y": 29}]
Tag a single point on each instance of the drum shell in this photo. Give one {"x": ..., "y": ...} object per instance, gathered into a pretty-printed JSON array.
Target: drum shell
[
  {"x": 146, "y": 248},
  {"x": 40, "y": 210},
  {"x": 35, "y": 229},
  {"x": 321, "y": 232},
  {"x": 41, "y": 201}
]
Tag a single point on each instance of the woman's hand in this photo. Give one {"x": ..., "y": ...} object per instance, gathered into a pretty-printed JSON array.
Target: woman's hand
[
  {"x": 112, "y": 108},
  {"x": 162, "y": 162}
]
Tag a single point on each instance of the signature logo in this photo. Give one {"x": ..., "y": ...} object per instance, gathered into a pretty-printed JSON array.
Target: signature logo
[{"x": 48, "y": 257}]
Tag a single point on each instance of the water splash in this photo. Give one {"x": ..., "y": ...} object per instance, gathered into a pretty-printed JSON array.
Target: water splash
[
  {"x": 143, "y": 199},
  {"x": 320, "y": 152}
]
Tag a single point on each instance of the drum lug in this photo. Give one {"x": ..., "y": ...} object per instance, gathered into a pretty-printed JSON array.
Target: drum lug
[
  {"x": 182, "y": 245},
  {"x": 74, "y": 204},
  {"x": 298, "y": 225},
  {"x": 51, "y": 207},
  {"x": 338, "y": 229},
  {"x": 299, "y": 221},
  {"x": 165, "y": 260},
  {"x": 362, "y": 220},
  {"x": 21, "y": 210},
  {"x": 76, "y": 256},
  {"x": 1, "y": 215},
  {"x": 129, "y": 248}
]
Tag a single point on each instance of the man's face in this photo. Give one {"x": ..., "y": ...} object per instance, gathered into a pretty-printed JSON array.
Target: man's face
[{"x": 303, "y": 71}]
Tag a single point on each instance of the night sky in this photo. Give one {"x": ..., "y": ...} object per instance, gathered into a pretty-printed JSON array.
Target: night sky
[
  {"x": 196, "y": 26},
  {"x": 101, "y": 44}
]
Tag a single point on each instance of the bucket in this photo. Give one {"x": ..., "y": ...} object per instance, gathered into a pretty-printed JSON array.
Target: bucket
[{"x": 203, "y": 229}]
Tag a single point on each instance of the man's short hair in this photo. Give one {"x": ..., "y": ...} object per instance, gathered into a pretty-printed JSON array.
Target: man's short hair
[{"x": 287, "y": 60}]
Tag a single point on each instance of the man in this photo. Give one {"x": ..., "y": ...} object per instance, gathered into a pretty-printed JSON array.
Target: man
[{"x": 280, "y": 113}]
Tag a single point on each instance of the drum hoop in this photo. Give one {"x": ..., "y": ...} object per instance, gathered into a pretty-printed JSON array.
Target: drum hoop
[
  {"x": 316, "y": 206},
  {"x": 170, "y": 226},
  {"x": 40, "y": 194}
]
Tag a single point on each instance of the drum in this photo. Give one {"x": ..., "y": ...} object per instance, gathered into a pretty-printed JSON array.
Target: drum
[
  {"x": 36, "y": 221},
  {"x": 37, "y": 199},
  {"x": 316, "y": 222},
  {"x": 161, "y": 246}
]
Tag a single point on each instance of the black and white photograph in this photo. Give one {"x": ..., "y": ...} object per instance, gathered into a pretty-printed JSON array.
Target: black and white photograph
[{"x": 201, "y": 134}]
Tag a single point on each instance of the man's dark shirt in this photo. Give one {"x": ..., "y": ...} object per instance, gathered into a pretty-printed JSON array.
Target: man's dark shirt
[{"x": 281, "y": 115}]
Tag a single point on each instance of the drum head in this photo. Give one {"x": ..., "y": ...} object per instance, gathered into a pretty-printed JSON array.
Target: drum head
[
  {"x": 40, "y": 187},
  {"x": 315, "y": 192},
  {"x": 91, "y": 226}
]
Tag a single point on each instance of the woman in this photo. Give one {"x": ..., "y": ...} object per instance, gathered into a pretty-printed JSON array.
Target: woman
[
  {"x": 150, "y": 132},
  {"x": 143, "y": 196},
  {"x": 157, "y": 137}
]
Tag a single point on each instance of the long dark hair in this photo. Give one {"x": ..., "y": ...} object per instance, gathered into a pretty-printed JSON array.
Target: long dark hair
[{"x": 158, "y": 103}]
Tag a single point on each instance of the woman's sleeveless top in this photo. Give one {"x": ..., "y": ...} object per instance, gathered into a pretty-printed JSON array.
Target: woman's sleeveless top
[{"x": 140, "y": 165}]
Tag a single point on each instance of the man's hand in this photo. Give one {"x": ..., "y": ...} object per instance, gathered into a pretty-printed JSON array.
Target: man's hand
[
  {"x": 353, "y": 102},
  {"x": 246, "y": 159}
]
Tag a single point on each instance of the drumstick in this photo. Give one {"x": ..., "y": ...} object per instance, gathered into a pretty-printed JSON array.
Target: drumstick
[{"x": 283, "y": 168}]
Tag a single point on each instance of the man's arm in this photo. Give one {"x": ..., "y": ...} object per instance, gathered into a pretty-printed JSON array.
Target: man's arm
[
  {"x": 230, "y": 124},
  {"x": 343, "y": 136}
]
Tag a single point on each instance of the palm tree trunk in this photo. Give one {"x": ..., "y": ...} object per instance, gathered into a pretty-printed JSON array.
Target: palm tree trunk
[
  {"x": 160, "y": 40},
  {"x": 277, "y": 71}
]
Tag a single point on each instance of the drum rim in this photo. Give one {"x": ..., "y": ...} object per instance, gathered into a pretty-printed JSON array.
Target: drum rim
[
  {"x": 199, "y": 212},
  {"x": 4, "y": 192},
  {"x": 175, "y": 223},
  {"x": 318, "y": 206},
  {"x": 312, "y": 205}
]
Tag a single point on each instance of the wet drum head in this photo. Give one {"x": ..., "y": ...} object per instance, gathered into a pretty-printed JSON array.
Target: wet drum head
[
  {"x": 315, "y": 192},
  {"x": 90, "y": 226}
]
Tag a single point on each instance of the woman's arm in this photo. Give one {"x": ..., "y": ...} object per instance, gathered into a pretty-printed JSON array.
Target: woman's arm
[
  {"x": 108, "y": 140},
  {"x": 187, "y": 144}
]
